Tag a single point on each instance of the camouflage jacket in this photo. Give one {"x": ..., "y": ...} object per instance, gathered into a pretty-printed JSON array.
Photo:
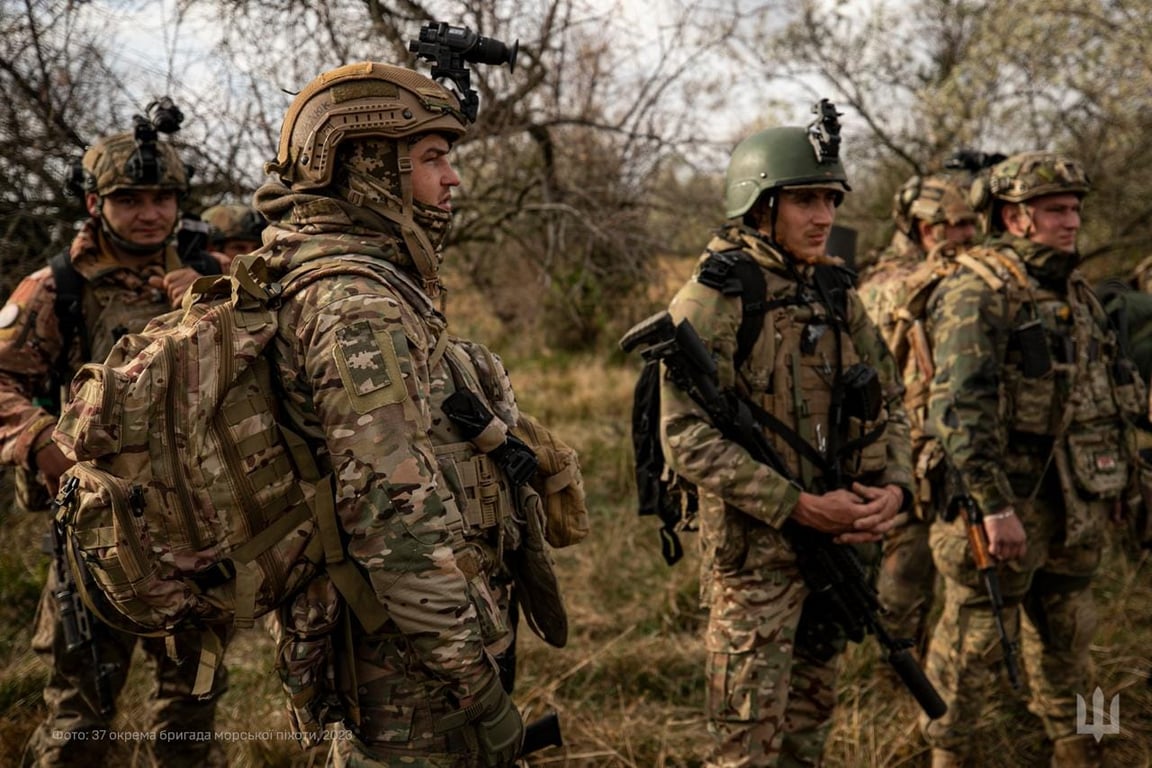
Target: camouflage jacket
[
  {"x": 879, "y": 283},
  {"x": 1001, "y": 423},
  {"x": 722, "y": 469},
  {"x": 115, "y": 297},
  {"x": 364, "y": 375}
]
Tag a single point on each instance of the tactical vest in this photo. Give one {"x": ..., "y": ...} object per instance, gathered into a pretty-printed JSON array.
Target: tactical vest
[
  {"x": 803, "y": 366},
  {"x": 1064, "y": 378},
  {"x": 902, "y": 327}
]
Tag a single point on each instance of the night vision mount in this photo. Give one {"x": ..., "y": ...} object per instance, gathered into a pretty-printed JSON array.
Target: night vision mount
[
  {"x": 450, "y": 48},
  {"x": 824, "y": 132},
  {"x": 161, "y": 116}
]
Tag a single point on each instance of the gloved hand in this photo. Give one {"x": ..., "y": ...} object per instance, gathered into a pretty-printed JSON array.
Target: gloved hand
[
  {"x": 495, "y": 723},
  {"x": 499, "y": 728}
]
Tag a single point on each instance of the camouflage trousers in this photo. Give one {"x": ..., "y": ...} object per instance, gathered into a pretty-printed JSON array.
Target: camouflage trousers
[
  {"x": 768, "y": 704},
  {"x": 907, "y": 582},
  {"x": 75, "y": 734},
  {"x": 1049, "y": 612},
  {"x": 400, "y": 704}
]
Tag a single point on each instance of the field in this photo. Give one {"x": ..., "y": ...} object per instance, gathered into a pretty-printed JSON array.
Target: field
[{"x": 629, "y": 687}]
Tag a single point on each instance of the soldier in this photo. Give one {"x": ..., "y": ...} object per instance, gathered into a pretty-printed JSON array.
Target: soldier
[
  {"x": 1030, "y": 403},
  {"x": 235, "y": 230},
  {"x": 121, "y": 271},
  {"x": 771, "y": 693},
  {"x": 384, "y": 396},
  {"x": 933, "y": 220}
]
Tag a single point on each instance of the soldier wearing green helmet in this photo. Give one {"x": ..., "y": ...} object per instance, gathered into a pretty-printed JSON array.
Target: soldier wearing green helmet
[
  {"x": 1032, "y": 404},
  {"x": 234, "y": 230},
  {"x": 794, "y": 352}
]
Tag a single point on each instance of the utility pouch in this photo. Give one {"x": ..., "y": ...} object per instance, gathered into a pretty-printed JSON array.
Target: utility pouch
[
  {"x": 1035, "y": 360},
  {"x": 863, "y": 397}
]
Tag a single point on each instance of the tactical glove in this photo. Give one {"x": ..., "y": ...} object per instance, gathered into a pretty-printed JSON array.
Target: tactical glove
[{"x": 495, "y": 724}]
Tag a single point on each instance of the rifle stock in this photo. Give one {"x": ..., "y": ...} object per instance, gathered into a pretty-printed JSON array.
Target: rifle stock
[
  {"x": 829, "y": 569},
  {"x": 542, "y": 732}
]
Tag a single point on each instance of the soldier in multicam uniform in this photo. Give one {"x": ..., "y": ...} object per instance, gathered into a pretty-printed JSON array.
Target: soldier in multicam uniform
[
  {"x": 127, "y": 263},
  {"x": 770, "y": 696},
  {"x": 933, "y": 221},
  {"x": 370, "y": 377},
  {"x": 235, "y": 229},
  {"x": 1030, "y": 402}
]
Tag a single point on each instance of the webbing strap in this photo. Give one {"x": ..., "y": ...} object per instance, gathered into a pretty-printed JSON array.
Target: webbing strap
[
  {"x": 348, "y": 580},
  {"x": 211, "y": 653}
]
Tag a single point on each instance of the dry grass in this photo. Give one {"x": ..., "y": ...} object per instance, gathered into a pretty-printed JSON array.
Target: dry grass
[{"x": 629, "y": 686}]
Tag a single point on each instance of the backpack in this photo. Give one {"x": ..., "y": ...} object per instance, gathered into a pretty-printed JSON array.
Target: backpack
[{"x": 191, "y": 505}]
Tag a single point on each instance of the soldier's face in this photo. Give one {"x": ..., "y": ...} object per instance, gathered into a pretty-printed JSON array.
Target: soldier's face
[
  {"x": 804, "y": 220},
  {"x": 432, "y": 174},
  {"x": 960, "y": 233},
  {"x": 144, "y": 217},
  {"x": 1051, "y": 220}
]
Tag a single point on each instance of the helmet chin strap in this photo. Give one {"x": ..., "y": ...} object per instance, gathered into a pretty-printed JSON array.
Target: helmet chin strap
[
  {"x": 126, "y": 245},
  {"x": 365, "y": 191}
]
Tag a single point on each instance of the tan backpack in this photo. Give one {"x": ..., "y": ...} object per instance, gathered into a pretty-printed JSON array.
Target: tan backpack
[{"x": 190, "y": 504}]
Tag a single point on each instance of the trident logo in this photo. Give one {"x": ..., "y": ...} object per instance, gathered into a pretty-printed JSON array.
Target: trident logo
[{"x": 1097, "y": 726}]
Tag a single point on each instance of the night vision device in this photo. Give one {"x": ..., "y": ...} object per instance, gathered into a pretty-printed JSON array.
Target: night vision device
[{"x": 450, "y": 48}]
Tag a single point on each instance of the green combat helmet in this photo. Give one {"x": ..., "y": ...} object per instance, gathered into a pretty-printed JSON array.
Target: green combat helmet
[
  {"x": 233, "y": 222},
  {"x": 785, "y": 157},
  {"x": 936, "y": 199},
  {"x": 1023, "y": 177}
]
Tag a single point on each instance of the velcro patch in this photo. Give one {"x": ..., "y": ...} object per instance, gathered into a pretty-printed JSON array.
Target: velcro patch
[{"x": 369, "y": 367}]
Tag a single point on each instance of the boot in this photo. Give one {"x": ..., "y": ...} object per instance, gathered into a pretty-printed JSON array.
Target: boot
[
  {"x": 1076, "y": 752},
  {"x": 942, "y": 758}
]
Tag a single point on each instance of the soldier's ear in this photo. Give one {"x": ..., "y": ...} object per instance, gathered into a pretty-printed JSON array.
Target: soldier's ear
[{"x": 92, "y": 203}]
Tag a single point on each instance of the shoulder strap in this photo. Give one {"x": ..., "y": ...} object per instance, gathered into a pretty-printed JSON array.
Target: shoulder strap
[
  {"x": 733, "y": 273},
  {"x": 69, "y": 309}
]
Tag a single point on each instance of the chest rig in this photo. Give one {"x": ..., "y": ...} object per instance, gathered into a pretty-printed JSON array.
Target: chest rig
[
  {"x": 798, "y": 367},
  {"x": 1063, "y": 378}
]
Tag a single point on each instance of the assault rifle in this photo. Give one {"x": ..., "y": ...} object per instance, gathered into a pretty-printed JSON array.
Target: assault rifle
[
  {"x": 832, "y": 571},
  {"x": 75, "y": 620},
  {"x": 978, "y": 541}
]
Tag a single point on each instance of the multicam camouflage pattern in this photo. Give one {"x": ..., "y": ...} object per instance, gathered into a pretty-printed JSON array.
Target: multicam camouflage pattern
[
  {"x": 426, "y": 515},
  {"x": 30, "y": 341},
  {"x": 1042, "y": 444},
  {"x": 895, "y": 294},
  {"x": 108, "y": 166},
  {"x": 233, "y": 222},
  {"x": 193, "y": 388},
  {"x": 1052, "y": 587},
  {"x": 749, "y": 579},
  {"x": 765, "y": 697}
]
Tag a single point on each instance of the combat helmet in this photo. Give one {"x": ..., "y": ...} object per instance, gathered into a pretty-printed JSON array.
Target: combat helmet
[
  {"x": 1023, "y": 177},
  {"x": 788, "y": 156},
  {"x": 935, "y": 199},
  {"x": 349, "y": 132},
  {"x": 119, "y": 162},
  {"x": 233, "y": 222},
  {"x": 358, "y": 101}
]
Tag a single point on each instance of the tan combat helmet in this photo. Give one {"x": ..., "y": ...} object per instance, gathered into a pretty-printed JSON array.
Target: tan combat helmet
[
  {"x": 1023, "y": 177},
  {"x": 935, "y": 199},
  {"x": 350, "y": 131},
  {"x": 116, "y": 162},
  {"x": 357, "y": 101},
  {"x": 233, "y": 222}
]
